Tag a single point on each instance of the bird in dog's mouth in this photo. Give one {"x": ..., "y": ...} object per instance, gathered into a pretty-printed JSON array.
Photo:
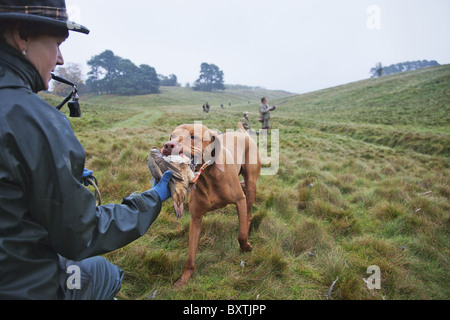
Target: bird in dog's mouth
[{"x": 183, "y": 174}]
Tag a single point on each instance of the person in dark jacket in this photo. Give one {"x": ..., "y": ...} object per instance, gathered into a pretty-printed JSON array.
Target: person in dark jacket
[{"x": 52, "y": 233}]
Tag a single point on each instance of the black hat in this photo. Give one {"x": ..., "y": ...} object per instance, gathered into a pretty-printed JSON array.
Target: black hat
[{"x": 50, "y": 12}]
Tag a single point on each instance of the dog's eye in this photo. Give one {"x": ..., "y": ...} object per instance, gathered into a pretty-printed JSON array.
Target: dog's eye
[{"x": 192, "y": 137}]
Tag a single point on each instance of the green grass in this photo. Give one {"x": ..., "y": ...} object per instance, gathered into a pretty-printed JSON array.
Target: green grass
[{"x": 363, "y": 180}]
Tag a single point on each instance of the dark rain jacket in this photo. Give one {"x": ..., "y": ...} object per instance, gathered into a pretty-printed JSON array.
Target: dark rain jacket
[{"x": 44, "y": 209}]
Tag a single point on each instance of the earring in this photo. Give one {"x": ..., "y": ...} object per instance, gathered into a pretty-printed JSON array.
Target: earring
[{"x": 24, "y": 52}]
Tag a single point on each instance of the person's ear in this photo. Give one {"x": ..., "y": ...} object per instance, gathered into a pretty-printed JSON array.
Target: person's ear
[{"x": 16, "y": 40}]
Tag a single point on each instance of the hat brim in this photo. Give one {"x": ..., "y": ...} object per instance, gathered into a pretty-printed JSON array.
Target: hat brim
[{"x": 68, "y": 25}]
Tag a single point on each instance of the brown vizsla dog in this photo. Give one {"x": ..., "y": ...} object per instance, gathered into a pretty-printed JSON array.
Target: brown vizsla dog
[{"x": 230, "y": 154}]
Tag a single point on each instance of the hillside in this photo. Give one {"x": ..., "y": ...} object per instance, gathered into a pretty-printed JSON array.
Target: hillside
[
  {"x": 363, "y": 180},
  {"x": 177, "y": 96},
  {"x": 406, "y": 111}
]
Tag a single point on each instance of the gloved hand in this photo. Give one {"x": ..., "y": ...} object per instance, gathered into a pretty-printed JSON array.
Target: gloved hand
[
  {"x": 86, "y": 174},
  {"x": 162, "y": 188}
]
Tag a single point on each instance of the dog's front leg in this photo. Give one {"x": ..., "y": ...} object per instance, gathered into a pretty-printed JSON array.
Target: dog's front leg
[{"x": 194, "y": 236}]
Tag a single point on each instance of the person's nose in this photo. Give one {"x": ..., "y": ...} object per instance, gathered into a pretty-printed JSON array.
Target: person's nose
[{"x": 60, "y": 59}]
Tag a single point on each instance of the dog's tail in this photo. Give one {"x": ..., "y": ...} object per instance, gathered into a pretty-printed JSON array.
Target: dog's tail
[{"x": 241, "y": 128}]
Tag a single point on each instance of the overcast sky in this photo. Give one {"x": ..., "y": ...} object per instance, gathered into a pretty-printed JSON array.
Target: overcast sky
[{"x": 293, "y": 45}]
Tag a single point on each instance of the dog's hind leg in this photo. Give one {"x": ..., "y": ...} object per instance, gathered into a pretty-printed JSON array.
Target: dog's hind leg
[
  {"x": 243, "y": 186},
  {"x": 250, "y": 194},
  {"x": 241, "y": 206}
]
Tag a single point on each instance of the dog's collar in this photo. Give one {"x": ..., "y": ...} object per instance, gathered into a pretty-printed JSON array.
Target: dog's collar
[
  {"x": 197, "y": 175},
  {"x": 193, "y": 164}
]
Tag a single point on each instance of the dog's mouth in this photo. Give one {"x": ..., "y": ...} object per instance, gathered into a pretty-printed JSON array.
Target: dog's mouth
[{"x": 175, "y": 148}]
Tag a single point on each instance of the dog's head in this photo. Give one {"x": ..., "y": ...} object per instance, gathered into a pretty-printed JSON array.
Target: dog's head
[{"x": 197, "y": 142}]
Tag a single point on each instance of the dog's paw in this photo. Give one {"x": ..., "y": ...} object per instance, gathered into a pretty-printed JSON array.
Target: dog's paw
[
  {"x": 179, "y": 283},
  {"x": 187, "y": 274},
  {"x": 247, "y": 247}
]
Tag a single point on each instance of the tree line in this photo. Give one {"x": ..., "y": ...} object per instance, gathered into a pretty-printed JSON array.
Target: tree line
[
  {"x": 111, "y": 74},
  {"x": 380, "y": 70}
]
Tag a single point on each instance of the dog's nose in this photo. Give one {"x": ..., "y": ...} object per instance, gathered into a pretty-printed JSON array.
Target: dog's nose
[
  {"x": 172, "y": 148},
  {"x": 170, "y": 145}
]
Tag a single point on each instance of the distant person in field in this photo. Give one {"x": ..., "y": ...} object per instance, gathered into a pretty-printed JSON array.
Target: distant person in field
[
  {"x": 52, "y": 233},
  {"x": 264, "y": 111},
  {"x": 206, "y": 107},
  {"x": 245, "y": 122}
]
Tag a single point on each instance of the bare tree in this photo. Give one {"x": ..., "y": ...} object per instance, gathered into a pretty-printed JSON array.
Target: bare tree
[
  {"x": 377, "y": 71},
  {"x": 72, "y": 72}
]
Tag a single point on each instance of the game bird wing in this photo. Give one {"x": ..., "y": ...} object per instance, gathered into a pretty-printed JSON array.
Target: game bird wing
[
  {"x": 181, "y": 181},
  {"x": 182, "y": 188},
  {"x": 158, "y": 166}
]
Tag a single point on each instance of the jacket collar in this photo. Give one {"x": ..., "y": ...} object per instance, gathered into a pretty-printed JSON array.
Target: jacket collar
[{"x": 13, "y": 60}]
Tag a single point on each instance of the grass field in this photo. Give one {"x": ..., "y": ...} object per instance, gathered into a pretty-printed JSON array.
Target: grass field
[{"x": 363, "y": 180}]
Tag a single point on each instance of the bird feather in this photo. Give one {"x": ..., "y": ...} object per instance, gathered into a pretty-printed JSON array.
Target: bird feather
[{"x": 181, "y": 181}]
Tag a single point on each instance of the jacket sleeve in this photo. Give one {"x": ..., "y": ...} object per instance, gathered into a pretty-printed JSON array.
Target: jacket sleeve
[
  {"x": 102, "y": 229},
  {"x": 46, "y": 162},
  {"x": 77, "y": 227}
]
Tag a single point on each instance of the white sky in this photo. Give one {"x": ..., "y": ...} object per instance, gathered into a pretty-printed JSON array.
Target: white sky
[{"x": 292, "y": 45}]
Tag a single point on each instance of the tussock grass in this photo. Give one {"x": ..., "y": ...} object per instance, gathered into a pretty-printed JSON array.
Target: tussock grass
[{"x": 363, "y": 180}]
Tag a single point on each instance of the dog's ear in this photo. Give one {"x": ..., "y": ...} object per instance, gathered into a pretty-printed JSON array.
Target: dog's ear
[{"x": 213, "y": 151}]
